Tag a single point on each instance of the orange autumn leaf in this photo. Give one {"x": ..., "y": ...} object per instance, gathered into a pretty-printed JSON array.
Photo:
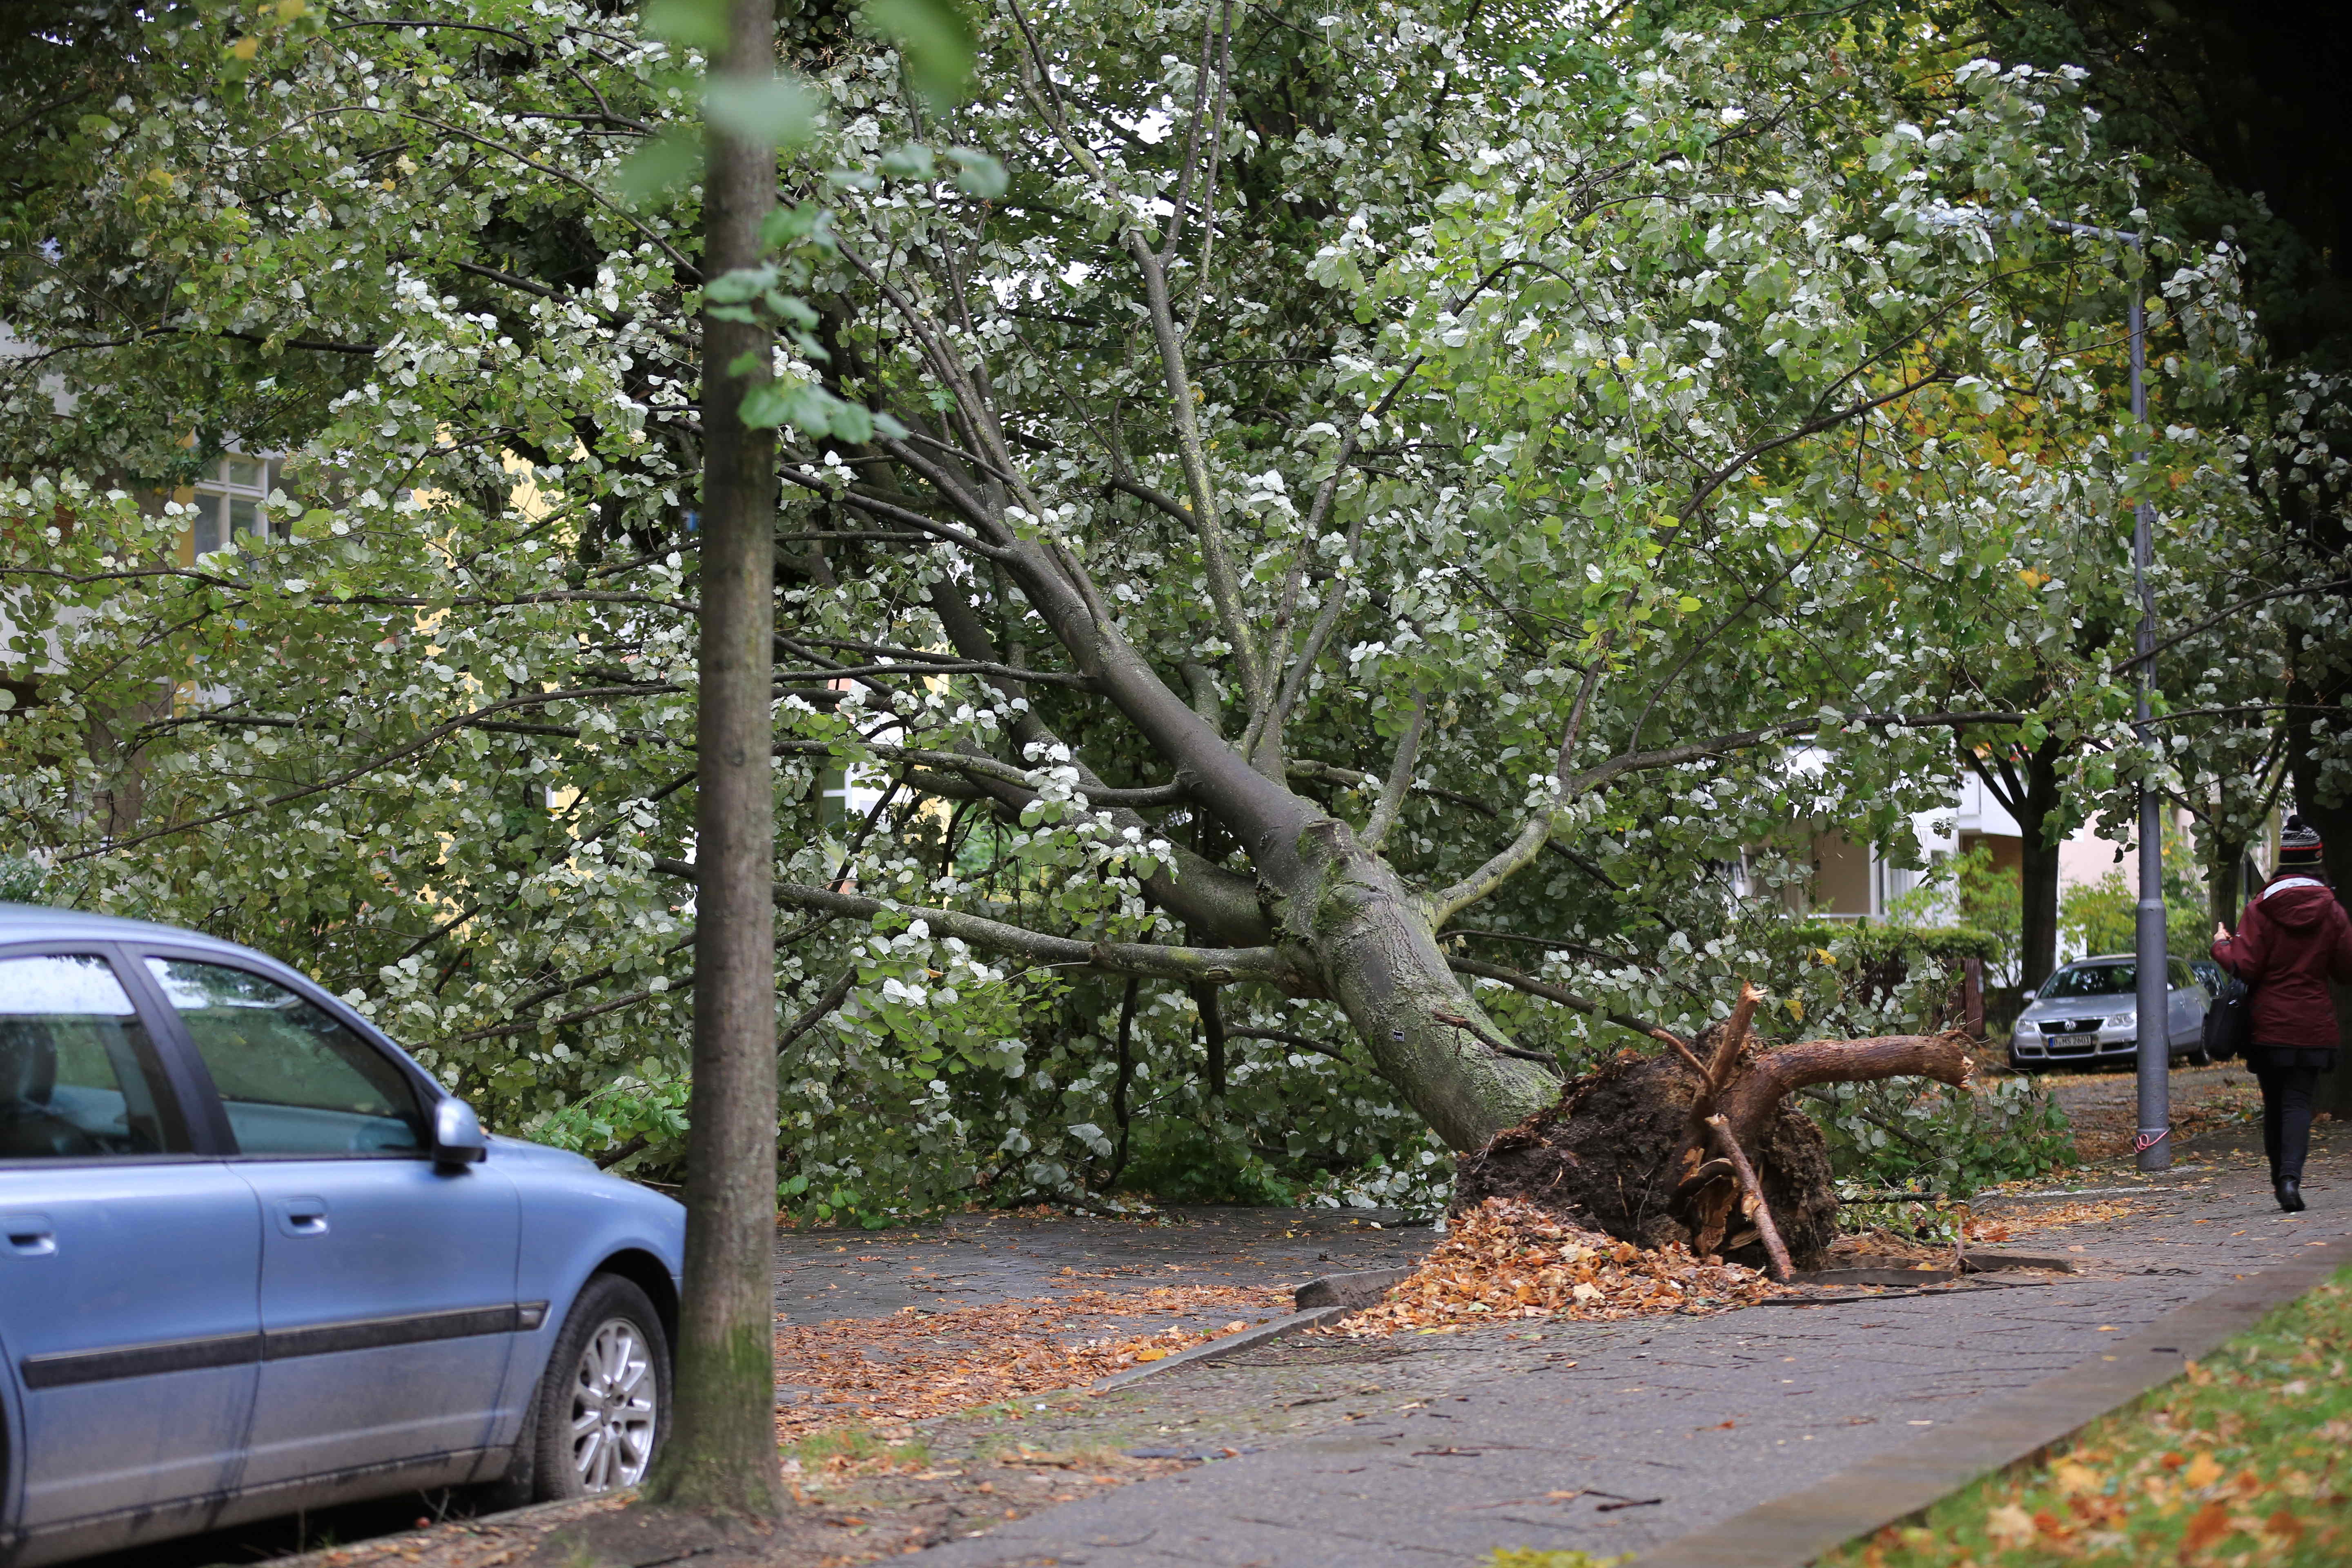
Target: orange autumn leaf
[{"x": 2210, "y": 1523}]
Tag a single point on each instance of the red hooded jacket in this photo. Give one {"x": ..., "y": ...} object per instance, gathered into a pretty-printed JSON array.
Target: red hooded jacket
[{"x": 2292, "y": 941}]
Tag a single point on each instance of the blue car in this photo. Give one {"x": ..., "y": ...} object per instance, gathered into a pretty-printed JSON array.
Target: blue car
[{"x": 254, "y": 1259}]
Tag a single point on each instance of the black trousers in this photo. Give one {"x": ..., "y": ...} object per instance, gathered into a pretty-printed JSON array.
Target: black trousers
[{"x": 2286, "y": 1117}]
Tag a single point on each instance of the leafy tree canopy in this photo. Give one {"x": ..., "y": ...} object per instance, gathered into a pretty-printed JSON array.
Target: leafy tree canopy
[{"x": 1343, "y": 550}]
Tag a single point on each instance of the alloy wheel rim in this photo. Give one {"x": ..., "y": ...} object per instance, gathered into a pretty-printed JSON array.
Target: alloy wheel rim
[{"x": 613, "y": 1410}]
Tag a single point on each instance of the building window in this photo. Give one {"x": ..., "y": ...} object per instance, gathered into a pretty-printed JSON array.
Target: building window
[{"x": 228, "y": 505}]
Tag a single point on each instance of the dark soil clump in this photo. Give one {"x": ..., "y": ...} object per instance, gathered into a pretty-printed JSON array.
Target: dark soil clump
[{"x": 1603, "y": 1157}]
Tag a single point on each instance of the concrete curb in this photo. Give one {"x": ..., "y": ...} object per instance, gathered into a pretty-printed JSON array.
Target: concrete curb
[
  {"x": 1358, "y": 1288},
  {"x": 1321, "y": 1300},
  {"x": 1797, "y": 1529},
  {"x": 1274, "y": 1329}
]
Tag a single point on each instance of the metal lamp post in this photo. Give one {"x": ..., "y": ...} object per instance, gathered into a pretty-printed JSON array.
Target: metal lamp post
[
  {"x": 2153, "y": 1145},
  {"x": 2150, "y": 954}
]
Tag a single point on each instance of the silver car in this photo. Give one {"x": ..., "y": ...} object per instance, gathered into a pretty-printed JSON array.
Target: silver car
[{"x": 2089, "y": 1011}]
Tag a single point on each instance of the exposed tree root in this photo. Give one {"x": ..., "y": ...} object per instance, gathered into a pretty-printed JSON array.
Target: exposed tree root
[{"x": 1626, "y": 1149}]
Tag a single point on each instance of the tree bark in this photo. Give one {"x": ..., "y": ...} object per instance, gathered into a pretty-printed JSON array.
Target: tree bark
[
  {"x": 2037, "y": 866},
  {"x": 1758, "y": 1210},
  {"x": 2027, "y": 788},
  {"x": 721, "y": 1456},
  {"x": 1773, "y": 1076},
  {"x": 1368, "y": 938},
  {"x": 2224, "y": 890},
  {"x": 1374, "y": 943}
]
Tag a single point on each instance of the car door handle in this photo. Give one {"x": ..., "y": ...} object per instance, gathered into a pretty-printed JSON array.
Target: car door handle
[
  {"x": 301, "y": 1216},
  {"x": 29, "y": 1234}
]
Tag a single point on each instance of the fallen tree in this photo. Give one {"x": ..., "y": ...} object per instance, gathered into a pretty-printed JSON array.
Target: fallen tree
[
  {"x": 1257, "y": 498},
  {"x": 1627, "y": 1148}
]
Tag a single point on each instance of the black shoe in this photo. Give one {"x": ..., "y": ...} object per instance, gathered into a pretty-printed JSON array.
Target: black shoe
[{"x": 2289, "y": 1196}]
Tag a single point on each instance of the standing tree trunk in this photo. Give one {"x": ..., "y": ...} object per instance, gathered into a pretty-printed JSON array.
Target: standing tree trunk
[
  {"x": 2027, "y": 788},
  {"x": 2224, "y": 877},
  {"x": 721, "y": 1453},
  {"x": 2038, "y": 944}
]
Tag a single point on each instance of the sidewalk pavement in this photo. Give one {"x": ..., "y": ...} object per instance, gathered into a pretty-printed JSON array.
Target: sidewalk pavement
[{"x": 1616, "y": 1437}]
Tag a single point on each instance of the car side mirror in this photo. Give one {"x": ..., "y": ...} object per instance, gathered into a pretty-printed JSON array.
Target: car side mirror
[
  {"x": 457, "y": 1137},
  {"x": 2031, "y": 995}
]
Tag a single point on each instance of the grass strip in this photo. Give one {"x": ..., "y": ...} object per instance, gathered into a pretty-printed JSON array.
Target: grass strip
[{"x": 2241, "y": 1462}]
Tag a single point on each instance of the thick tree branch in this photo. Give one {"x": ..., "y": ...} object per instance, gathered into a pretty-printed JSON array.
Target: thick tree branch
[
  {"x": 1770, "y": 1077},
  {"x": 978, "y": 766},
  {"x": 1151, "y": 961}
]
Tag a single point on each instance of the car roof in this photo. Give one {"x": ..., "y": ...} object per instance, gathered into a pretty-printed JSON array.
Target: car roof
[{"x": 39, "y": 922}]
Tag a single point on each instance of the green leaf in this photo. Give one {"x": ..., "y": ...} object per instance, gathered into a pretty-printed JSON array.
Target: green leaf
[
  {"x": 935, "y": 40},
  {"x": 689, "y": 24},
  {"x": 740, "y": 285},
  {"x": 911, "y": 161},
  {"x": 978, "y": 173},
  {"x": 805, "y": 224},
  {"x": 670, "y": 162},
  {"x": 812, "y": 411},
  {"x": 776, "y": 113}
]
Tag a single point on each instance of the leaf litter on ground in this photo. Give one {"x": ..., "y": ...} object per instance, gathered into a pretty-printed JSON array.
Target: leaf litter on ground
[
  {"x": 1510, "y": 1261},
  {"x": 919, "y": 1364}
]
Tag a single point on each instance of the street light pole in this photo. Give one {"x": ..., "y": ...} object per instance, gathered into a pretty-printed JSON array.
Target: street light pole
[{"x": 2153, "y": 1145}]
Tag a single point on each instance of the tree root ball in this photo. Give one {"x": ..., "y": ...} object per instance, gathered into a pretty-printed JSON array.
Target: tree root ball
[{"x": 1603, "y": 1156}]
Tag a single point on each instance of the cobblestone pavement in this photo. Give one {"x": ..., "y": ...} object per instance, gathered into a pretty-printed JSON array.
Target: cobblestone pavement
[{"x": 1613, "y": 1437}]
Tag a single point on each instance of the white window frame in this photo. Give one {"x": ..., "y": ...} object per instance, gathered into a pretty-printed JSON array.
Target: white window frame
[{"x": 229, "y": 504}]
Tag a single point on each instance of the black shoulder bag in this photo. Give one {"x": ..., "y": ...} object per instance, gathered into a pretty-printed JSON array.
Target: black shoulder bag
[{"x": 2230, "y": 1022}]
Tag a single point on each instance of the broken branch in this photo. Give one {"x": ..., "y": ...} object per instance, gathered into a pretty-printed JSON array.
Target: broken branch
[{"x": 1762, "y": 1212}]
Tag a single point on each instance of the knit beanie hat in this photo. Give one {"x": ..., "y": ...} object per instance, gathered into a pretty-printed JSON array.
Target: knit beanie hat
[{"x": 2298, "y": 845}]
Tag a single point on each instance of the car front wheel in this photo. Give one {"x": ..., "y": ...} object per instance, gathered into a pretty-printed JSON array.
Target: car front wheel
[{"x": 602, "y": 1406}]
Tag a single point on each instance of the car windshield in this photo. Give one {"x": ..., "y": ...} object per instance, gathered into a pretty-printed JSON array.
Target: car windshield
[{"x": 2092, "y": 980}]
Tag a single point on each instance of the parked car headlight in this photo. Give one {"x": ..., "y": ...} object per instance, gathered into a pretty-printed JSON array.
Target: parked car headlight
[{"x": 2121, "y": 1020}]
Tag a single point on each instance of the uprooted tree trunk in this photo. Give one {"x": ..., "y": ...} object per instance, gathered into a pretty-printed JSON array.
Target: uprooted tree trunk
[
  {"x": 1320, "y": 908},
  {"x": 1625, "y": 1149}
]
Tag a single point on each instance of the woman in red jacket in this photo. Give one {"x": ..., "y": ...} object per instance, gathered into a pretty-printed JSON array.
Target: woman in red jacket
[{"x": 2292, "y": 941}]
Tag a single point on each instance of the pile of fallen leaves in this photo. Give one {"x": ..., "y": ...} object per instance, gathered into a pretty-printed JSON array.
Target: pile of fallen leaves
[
  {"x": 921, "y": 1364},
  {"x": 1511, "y": 1260}
]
